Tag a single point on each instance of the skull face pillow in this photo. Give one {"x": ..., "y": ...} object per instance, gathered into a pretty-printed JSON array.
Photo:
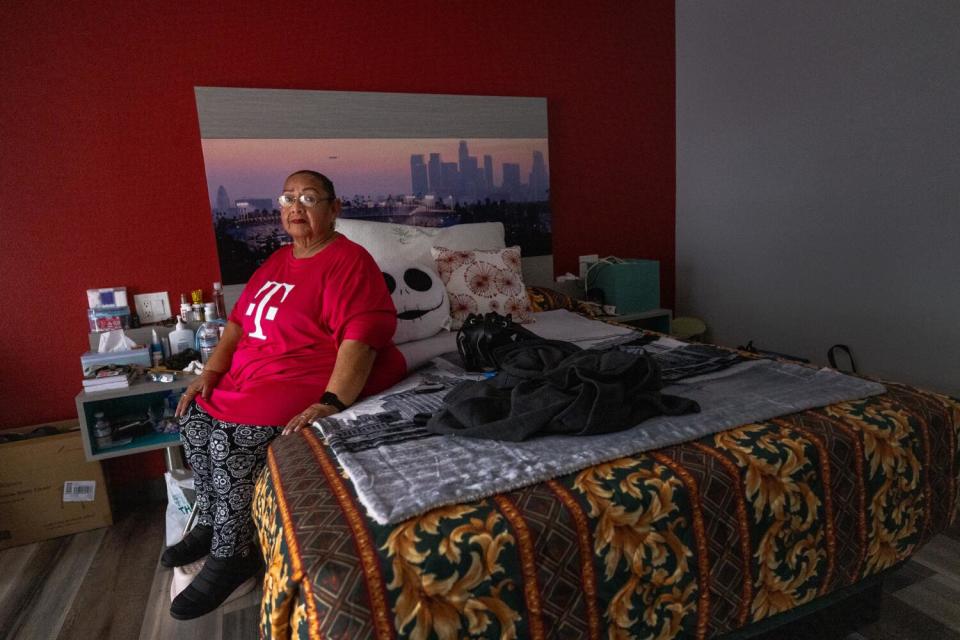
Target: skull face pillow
[{"x": 423, "y": 308}]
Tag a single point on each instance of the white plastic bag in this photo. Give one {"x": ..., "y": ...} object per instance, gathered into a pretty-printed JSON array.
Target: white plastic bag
[{"x": 178, "y": 505}]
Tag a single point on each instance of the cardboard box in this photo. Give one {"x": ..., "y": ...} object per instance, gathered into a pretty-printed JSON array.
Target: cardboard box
[{"x": 48, "y": 488}]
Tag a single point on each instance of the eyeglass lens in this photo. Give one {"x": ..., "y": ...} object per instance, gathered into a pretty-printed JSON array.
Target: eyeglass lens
[{"x": 307, "y": 199}]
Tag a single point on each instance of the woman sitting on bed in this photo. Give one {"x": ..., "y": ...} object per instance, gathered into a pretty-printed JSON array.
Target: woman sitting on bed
[{"x": 310, "y": 333}]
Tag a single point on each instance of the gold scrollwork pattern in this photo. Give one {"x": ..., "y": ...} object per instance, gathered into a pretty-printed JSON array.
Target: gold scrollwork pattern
[
  {"x": 780, "y": 476},
  {"x": 451, "y": 581},
  {"x": 895, "y": 510},
  {"x": 639, "y": 538}
]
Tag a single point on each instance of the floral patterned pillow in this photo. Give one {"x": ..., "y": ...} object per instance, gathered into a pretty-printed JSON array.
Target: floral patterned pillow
[{"x": 481, "y": 281}]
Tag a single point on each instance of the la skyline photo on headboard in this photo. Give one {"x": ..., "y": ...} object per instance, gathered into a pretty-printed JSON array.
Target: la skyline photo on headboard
[{"x": 426, "y": 160}]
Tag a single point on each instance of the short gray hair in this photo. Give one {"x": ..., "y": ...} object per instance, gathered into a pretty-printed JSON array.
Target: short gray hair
[{"x": 322, "y": 179}]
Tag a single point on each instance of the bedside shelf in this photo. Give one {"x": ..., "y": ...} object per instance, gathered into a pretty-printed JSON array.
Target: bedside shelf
[
  {"x": 134, "y": 401},
  {"x": 146, "y": 442},
  {"x": 139, "y": 387}
]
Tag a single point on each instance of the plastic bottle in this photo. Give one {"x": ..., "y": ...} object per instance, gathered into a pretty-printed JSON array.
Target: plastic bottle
[
  {"x": 181, "y": 338},
  {"x": 186, "y": 311},
  {"x": 156, "y": 350},
  {"x": 210, "y": 311},
  {"x": 102, "y": 431},
  {"x": 208, "y": 335},
  {"x": 218, "y": 300},
  {"x": 197, "y": 297}
]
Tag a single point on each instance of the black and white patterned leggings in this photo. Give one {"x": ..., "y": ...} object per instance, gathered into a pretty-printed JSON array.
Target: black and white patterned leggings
[{"x": 226, "y": 458}]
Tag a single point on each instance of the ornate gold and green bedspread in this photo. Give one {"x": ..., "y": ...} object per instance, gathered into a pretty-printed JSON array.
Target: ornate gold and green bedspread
[{"x": 690, "y": 541}]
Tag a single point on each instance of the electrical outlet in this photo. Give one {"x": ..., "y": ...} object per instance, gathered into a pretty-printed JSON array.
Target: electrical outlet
[
  {"x": 586, "y": 261},
  {"x": 152, "y": 307}
]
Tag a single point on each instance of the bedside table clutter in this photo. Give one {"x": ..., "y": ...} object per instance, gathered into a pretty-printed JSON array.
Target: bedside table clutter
[
  {"x": 621, "y": 290},
  {"x": 130, "y": 390}
]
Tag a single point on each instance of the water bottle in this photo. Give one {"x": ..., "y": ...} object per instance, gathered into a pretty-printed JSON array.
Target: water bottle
[
  {"x": 102, "y": 431},
  {"x": 208, "y": 335}
]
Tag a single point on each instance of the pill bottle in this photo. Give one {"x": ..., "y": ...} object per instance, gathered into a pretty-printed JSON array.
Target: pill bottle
[{"x": 186, "y": 311}]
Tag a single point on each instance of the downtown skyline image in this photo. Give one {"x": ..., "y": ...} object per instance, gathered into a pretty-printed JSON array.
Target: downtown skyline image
[{"x": 425, "y": 182}]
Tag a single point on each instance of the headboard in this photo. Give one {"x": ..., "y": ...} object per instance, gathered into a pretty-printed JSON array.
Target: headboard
[
  {"x": 388, "y": 243},
  {"x": 537, "y": 271}
]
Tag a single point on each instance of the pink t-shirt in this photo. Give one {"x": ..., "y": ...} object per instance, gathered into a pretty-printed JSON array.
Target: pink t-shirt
[{"x": 294, "y": 314}]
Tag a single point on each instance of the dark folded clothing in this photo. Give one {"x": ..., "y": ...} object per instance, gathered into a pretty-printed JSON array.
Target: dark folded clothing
[{"x": 548, "y": 387}]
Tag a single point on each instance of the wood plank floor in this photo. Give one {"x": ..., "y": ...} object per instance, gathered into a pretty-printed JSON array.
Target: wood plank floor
[{"x": 108, "y": 584}]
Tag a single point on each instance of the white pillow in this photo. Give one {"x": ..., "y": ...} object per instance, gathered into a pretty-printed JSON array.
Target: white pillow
[
  {"x": 481, "y": 281},
  {"x": 391, "y": 243},
  {"x": 423, "y": 308}
]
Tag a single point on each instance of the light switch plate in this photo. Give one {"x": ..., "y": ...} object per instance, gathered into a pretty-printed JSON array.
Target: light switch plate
[
  {"x": 586, "y": 261},
  {"x": 152, "y": 307}
]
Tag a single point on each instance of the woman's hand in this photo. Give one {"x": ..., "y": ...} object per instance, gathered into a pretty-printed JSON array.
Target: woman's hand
[
  {"x": 307, "y": 416},
  {"x": 203, "y": 385}
]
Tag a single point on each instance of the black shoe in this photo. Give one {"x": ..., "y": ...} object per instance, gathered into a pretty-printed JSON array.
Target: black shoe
[
  {"x": 218, "y": 579},
  {"x": 194, "y": 546}
]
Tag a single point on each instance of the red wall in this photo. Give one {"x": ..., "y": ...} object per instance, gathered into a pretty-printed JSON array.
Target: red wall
[{"x": 102, "y": 177}]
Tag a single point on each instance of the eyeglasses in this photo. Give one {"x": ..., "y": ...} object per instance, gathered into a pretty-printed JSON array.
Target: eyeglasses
[{"x": 306, "y": 199}]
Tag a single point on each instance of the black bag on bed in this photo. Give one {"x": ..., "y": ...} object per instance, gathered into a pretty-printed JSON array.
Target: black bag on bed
[{"x": 480, "y": 335}]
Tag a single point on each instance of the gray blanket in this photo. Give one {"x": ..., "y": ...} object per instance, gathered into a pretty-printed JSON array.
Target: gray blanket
[{"x": 399, "y": 470}]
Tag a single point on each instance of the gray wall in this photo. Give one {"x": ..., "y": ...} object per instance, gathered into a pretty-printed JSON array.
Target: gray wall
[{"x": 818, "y": 179}]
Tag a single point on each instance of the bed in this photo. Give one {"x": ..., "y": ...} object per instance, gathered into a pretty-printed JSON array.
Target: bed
[
  {"x": 698, "y": 539},
  {"x": 763, "y": 505}
]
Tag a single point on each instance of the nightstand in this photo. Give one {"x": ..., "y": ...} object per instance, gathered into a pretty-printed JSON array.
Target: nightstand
[
  {"x": 141, "y": 400},
  {"x": 654, "y": 319},
  {"x": 137, "y": 406}
]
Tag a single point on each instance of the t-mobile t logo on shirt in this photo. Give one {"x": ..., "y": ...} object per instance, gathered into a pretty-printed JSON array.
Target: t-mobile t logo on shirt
[{"x": 270, "y": 288}]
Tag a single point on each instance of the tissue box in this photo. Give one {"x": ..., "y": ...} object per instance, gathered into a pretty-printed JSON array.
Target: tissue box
[
  {"x": 108, "y": 297},
  {"x": 108, "y": 318},
  {"x": 139, "y": 356}
]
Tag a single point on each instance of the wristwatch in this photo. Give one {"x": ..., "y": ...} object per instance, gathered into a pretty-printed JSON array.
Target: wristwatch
[{"x": 331, "y": 399}]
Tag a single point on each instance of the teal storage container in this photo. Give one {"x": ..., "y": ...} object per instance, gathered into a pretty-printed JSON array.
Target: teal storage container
[{"x": 631, "y": 286}]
